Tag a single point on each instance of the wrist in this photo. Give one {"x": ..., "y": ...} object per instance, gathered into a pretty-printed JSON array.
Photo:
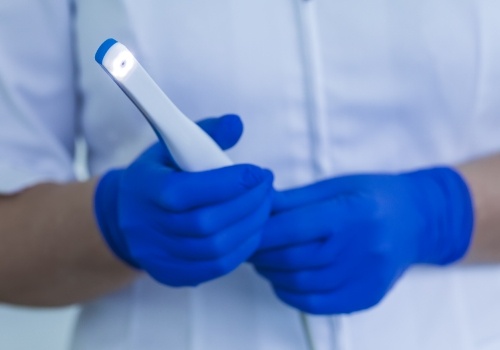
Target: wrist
[
  {"x": 106, "y": 213},
  {"x": 445, "y": 201}
]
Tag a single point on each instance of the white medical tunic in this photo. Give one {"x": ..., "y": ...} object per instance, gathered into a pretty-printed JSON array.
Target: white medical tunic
[{"x": 325, "y": 87}]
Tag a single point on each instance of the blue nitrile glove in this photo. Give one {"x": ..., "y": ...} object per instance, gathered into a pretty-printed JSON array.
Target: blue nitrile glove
[
  {"x": 339, "y": 245},
  {"x": 185, "y": 228}
]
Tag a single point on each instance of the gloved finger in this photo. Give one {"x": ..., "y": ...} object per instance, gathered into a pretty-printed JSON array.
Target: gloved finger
[
  {"x": 182, "y": 191},
  {"x": 292, "y": 258},
  {"x": 316, "y": 192},
  {"x": 329, "y": 303},
  {"x": 359, "y": 295},
  {"x": 225, "y": 131},
  {"x": 211, "y": 219},
  {"x": 317, "y": 280},
  {"x": 332, "y": 218},
  {"x": 222, "y": 243},
  {"x": 172, "y": 272}
]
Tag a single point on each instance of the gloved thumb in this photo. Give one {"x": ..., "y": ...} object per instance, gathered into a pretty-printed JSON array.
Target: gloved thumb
[{"x": 225, "y": 130}]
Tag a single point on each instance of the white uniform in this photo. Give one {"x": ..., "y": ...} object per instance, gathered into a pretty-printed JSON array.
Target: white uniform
[{"x": 324, "y": 88}]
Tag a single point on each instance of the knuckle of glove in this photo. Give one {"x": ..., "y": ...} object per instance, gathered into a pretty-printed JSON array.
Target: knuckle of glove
[
  {"x": 172, "y": 198},
  {"x": 216, "y": 247},
  {"x": 204, "y": 224},
  {"x": 236, "y": 256},
  {"x": 128, "y": 224}
]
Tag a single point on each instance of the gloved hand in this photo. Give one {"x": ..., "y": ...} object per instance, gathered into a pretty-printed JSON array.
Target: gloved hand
[
  {"x": 339, "y": 245},
  {"x": 185, "y": 228}
]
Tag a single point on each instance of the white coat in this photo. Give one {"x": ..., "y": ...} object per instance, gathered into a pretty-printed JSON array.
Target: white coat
[{"x": 323, "y": 87}]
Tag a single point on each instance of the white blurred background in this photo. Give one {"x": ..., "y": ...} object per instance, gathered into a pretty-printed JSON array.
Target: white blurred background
[{"x": 29, "y": 329}]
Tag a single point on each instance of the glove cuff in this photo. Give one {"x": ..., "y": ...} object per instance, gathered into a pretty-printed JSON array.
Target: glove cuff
[
  {"x": 106, "y": 213},
  {"x": 447, "y": 201}
]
